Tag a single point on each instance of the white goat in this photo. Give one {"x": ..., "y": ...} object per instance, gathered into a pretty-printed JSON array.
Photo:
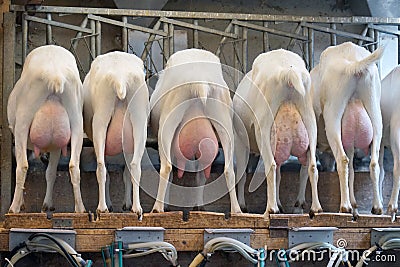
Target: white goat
[
  {"x": 192, "y": 82},
  {"x": 46, "y": 104},
  {"x": 391, "y": 133},
  {"x": 116, "y": 108},
  {"x": 346, "y": 95},
  {"x": 278, "y": 84}
]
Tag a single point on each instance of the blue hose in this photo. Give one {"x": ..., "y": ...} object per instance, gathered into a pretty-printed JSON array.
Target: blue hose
[
  {"x": 261, "y": 257},
  {"x": 120, "y": 253}
]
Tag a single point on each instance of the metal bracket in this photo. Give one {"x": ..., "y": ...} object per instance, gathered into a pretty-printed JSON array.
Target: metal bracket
[
  {"x": 378, "y": 233},
  {"x": 139, "y": 234},
  {"x": 241, "y": 234},
  {"x": 310, "y": 234},
  {"x": 62, "y": 223},
  {"x": 19, "y": 235}
]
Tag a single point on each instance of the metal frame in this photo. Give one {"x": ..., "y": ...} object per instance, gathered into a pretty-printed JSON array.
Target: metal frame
[{"x": 234, "y": 35}]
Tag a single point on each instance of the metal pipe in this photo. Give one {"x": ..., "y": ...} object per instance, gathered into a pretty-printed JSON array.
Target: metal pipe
[
  {"x": 371, "y": 34},
  {"x": 93, "y": 39},
  {"x": 364, "y": 33},
  {"x": 223, "y": 39},
  {"x": 98, "y": 38},
  {"x": 333, "y": 35},
  {"x": 150, "y": 41},
  {"x": 24, "y": 38},
  {"x": 165, "y": 44},
  {"x": 206, "y": 15},
  {"x": 244, "y": 49},
  {"x": 196, "y": 34},
  {"x": 236, "y": 59},
  {"x": 265, "y": 38},
  {"x": 171, "y": 38},
  {"x": 305, "y": 47},
  {"x": 49, "y": 34},
  {"x": 79, "y": 34},
  {"x": 125, "y": 35},
  {"x": 311, "y": 48}
]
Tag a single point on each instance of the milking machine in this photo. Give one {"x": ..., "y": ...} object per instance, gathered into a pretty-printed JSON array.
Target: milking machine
[{"x": 43, "y": 242}]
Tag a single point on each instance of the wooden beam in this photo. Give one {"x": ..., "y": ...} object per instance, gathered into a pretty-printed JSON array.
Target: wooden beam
[
  {"x": 8, "y": 74},
  {"x": 168, "y": 220}
]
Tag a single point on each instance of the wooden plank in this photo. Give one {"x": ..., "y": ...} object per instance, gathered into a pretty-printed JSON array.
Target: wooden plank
[
  {"x": 168, "y": 220},
  {"x": 89, "y": 240},
  {"x": 185, "y": 239},
  {"x": 331, "y": 219},
  {"x": 27, "y": 220},
  {"x": 7, "y": 85},
  {"x": 356, "y": 238},
  {"x": 4, "y": 239}
]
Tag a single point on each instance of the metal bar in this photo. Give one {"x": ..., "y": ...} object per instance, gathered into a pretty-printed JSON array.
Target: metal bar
[
  {"x": 49, "y": 34},
  {"x": 125, "y": 35},
  {"x": 384, "y": 30},
  {"x": 98, "y": 38},
  {"x": 371, "y": 33},
  {"x": 272, "y": 31},
  {"x": 79, "y": 34},
  {"x": 8, "y": 69},
  {"x": 223, "y": 39},
  {"x": 364, "y": 33},
  {"x": 93, "y": 38},
  {"x": 165, "y": 44},
  {"x": 305, "y": 48},
  {"x": 171, "y": 38},
  {"x": 311, "y": 48},
  {"x": 207, "y": 15},
  {"x": 195, "y": 34},
  {"x": 57, "y": 24},
  {"x": 236, "y": 59},
  {"x": 24, "y": 38},
  {"x": 244, "y": 49},
  {"x": 333, "y": 36},
  {"x": 266, "y": 38},
  {"x": 200, "y": 28},
  {"x": 337, "y": 32},
  {"x": 127, "y": 25},
  {"x": 150, "y": 41},
  {"x": 296, "y": 31}
]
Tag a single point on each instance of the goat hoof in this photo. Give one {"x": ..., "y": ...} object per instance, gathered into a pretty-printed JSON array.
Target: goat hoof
[
  {"x": 377, "y": 211},
  {"x": 126, "y": 207},
  {"x": 280, "y": 208},
  {"x": 46, "y": 208},
  {"x": 299, "y": 204},
  {"x": 345, "y": 210},
  {"x": 156, "y": 211},
  {"x": 356, "y": 215},
  {"x": 391, "y": 210}
]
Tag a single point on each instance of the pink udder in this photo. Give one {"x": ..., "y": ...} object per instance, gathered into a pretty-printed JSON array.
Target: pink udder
[
  {"x": 115, "y": 141},
  {"x": 289, "y": 135},
  {"x": 50, "y": 128},
  {"x": 356, "y": 127},
  {"x": 195, "y": 140}
]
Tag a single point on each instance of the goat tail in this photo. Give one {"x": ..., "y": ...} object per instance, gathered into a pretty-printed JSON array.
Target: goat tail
[
  {"x": 55, "y": 83},
  {"x": 360, "y": 66},
  {"x": 117, "y": 85},
  {"x": 294, "y": 80}
]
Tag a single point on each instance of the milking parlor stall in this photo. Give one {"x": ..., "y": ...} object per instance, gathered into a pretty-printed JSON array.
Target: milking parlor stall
[{"x": 194, "y": 133}]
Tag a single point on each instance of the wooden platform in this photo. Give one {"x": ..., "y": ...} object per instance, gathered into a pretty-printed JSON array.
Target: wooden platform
[{"x": 187, "y": 235}]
